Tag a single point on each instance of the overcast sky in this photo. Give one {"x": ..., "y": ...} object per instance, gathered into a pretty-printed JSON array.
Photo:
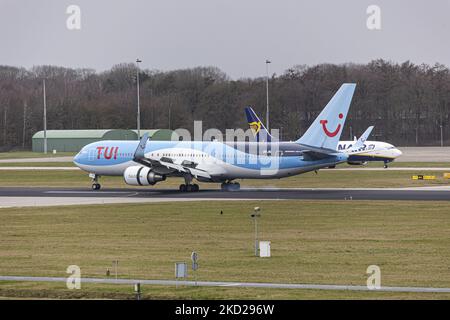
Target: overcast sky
[{"x": 236, "y": 36}]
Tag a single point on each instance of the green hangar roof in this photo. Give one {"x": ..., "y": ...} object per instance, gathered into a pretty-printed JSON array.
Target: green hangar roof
[
  {"x": 103, "y": 134},
  {"x": 74, "y": 140},
  {"x": 72, "y": 134}
]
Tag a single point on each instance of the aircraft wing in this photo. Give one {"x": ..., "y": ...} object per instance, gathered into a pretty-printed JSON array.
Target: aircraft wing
[{"x": 164, "y": 165}]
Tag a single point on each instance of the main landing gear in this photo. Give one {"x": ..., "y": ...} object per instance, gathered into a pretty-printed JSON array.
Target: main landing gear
[
  {"x": 386, "y": 165},
  {"x": 230, "y": 186},
  {"x": 188, "y": 186},
  {"x": 95, "y": 184}
]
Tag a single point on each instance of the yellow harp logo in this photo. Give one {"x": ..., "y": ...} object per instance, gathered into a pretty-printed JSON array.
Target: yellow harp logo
[{"x": 255, "y": 127}]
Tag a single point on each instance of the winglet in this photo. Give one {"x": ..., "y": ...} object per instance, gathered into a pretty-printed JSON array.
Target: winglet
[{"x": 140, "y": 150}]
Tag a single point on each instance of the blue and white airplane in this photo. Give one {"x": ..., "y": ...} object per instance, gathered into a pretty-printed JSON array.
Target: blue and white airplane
[
  {"x": 360, "y": 150},
  {"x": 145, "y": 162}
]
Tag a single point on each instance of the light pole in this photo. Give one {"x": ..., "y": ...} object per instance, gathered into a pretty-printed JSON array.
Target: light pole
[
  {"x": 45, "y": 118},
  {"x": 255, "y": 217},
  {"x": 138, "y": 101},
  {"x": 267, "y": 95},
  {"x": 442, "y": 136}
]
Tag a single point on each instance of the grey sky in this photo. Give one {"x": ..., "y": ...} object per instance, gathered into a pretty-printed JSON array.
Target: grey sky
[{"x": 235, "y": 36}]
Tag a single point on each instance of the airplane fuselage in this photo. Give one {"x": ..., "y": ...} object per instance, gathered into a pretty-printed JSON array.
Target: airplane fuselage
[
  {"x": 222, "y": 161},
  {"x": 371, "y": 151}
]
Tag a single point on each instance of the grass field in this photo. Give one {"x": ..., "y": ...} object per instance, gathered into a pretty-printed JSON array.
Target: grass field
[
  {"x": 30, "y": 154},
  {"x": 324, "y": 242},
  {"x": 37, "y": 164},
  {"x": 325, "y": 178},
  {"x": 403, "y": 165}
]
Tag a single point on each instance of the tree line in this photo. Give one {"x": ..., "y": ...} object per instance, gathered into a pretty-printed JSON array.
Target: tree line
[{"x": 409, "y": 104}]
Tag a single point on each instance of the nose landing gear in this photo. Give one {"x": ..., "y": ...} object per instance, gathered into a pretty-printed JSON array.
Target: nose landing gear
[{"x": 95, "y": 184}]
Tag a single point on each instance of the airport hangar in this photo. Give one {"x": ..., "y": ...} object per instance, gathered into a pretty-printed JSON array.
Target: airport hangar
[{"x": 74, "y": 140}]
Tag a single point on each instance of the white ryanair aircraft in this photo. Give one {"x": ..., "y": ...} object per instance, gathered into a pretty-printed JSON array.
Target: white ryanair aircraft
[
  {"x": 145, "y": 162},
  {"x": 360, "y": 150}
]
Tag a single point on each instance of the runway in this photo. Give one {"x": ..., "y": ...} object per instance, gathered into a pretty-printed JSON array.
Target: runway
[{"x": 43, "y": 196}]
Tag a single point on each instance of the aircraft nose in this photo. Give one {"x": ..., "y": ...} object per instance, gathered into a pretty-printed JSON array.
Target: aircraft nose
[
  {"x": 398, "y": 153},
  {"x": 76, "y": 158}
]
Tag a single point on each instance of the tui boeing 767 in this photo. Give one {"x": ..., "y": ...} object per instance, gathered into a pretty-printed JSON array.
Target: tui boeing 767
[{"x": 147, "y": 162}]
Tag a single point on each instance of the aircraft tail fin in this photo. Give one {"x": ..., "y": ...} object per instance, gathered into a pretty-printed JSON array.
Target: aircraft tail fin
[
  {"x": 360, "y": 142},
  {"x": 258, "y": 129},
  {"x": 326, "y": 130}
]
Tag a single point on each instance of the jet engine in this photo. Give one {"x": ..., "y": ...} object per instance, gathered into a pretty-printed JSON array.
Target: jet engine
[
  {"x": 357, "y": 163},
  {"x": 141, "y": 176}
]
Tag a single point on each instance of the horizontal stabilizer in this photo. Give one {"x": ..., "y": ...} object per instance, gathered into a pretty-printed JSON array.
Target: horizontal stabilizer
[{"x": 312, "y": 153}]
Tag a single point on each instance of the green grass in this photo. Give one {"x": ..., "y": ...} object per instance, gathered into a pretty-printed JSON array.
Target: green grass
[
  {"x": 37, "y": 164},
  {"x": 30, "y": 154},
  {"x": 39, "y": 290},
  {"x": 395, "y": 164},
  {"x": 325, "y": 179},
  {"x": 325, "y": 242}
]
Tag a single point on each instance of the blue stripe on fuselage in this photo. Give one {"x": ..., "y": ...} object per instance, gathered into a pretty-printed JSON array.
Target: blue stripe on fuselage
[{"x": 356, "y": 158}]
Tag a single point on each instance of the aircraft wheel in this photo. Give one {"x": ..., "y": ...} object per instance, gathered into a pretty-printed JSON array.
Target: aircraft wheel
[
  {"x": 96, "y": 186},
  {"x": 189, "y": 188},
  {"x": 195, "y": 187},
  {"x": 183, "y": 188},
  {"x": 236, "y": 186}
]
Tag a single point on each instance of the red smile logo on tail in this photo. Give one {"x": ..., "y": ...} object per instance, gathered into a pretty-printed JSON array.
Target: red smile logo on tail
[{"x": 325, "y": 129}]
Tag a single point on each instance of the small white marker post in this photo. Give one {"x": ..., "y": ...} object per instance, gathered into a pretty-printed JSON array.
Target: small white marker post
[
  {"x": 180, "y": 271},
  {"x": 255, "y": 216}
]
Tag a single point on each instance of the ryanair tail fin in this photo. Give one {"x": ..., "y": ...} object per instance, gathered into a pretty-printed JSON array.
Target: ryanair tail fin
[
  {"x": 360, "y": 143},
  {"x": 326, "y": 130},
  {"x": 259, "y": 130}
]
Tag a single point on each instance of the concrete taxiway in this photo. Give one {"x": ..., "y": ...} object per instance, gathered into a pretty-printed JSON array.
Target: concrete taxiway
[
  {"x": 43, "y": 196},
  {"x": 230, "y": 284}
]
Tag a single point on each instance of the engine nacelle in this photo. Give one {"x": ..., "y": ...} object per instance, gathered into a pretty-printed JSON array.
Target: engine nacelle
[
  {"x": 141, "y": 176},
  {"x": 357, "y": 163}
]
